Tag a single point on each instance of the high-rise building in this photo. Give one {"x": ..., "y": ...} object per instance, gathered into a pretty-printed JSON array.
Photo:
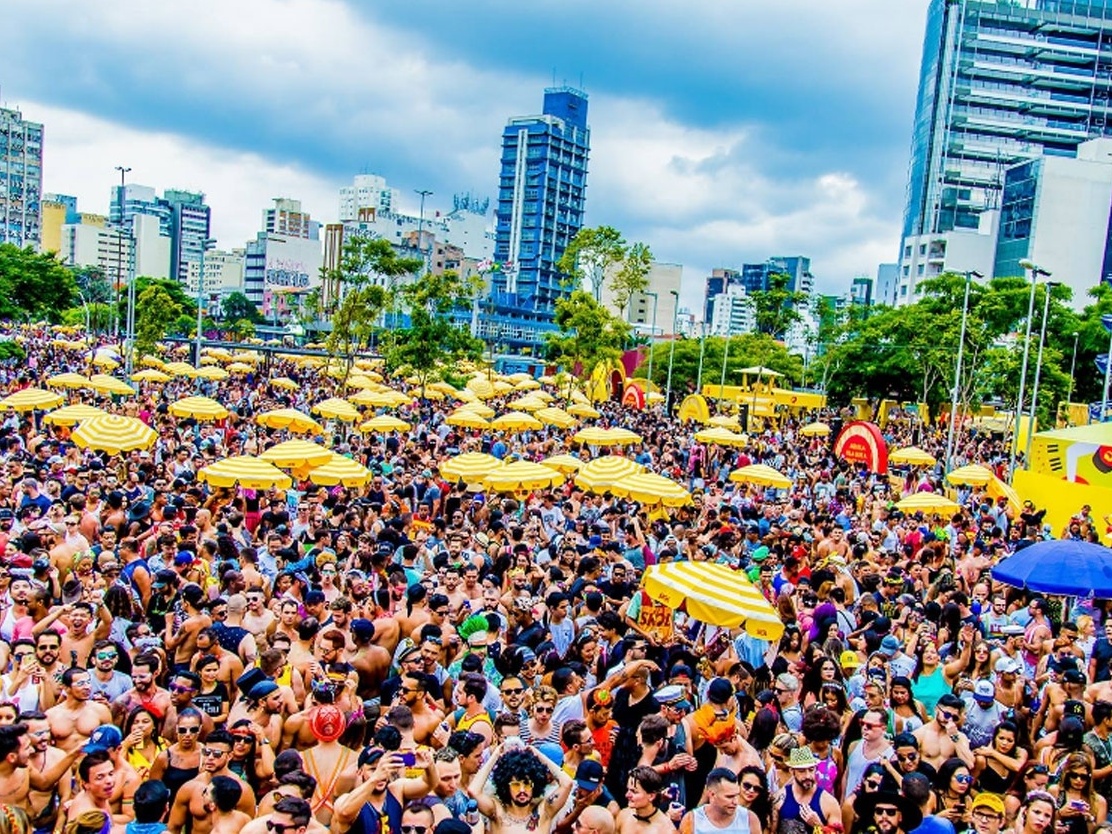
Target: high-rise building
[
  {"x": 541, "y": 193},
  {"x": 1000, "y": 84},
  {"x": 20, "y": 179},
  {"x": 796, "y": 267},
  {"x": 716, "y": 284},
  {"x": 141, "y": 249},
  {"x": 283, "y": 260},
  {"x": 887, "y": 284},
  {"x": 662, "y": 279},
  {"x": 190, "y": 221},
  {"x": 368, "y": 192},
  {"x": 286, "y": 218},
  {"x": 861, "y": 291},
  {"x": 223, "y": 273},
  {"x": 732, "y": 313},
  {"x": 132, "y": 199}
]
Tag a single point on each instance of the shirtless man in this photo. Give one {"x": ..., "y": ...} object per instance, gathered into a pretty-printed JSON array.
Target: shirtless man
[
  {"x": 98, "y": 775},
  {"x": 73, "y": 720},
  {"x": 190, "y": 801},
  {"x": 641, "y": 815},
  {"x": 222, "y": 796},
  {"x": 267, "y": 700},
  {"x": 77, "y": 642},
  {"x": 371, "y": 662},
  {"x": 258, "y": 618},
  {"x": 518, "y": 803},
  {"x": 52, "y": 766},
  {"x": 15, "y": 777},
  {"x": 417, "y": 604},
  {"x": 144, "y": 692},
  {"x": 426, "y": 718},
  {"x": 109, "y": 739},
  {"x": 183, "y": 686},
  {"x": 290, "y": 816},
  {"x": 380, "y": 791},
  {"x": 941, "y": 738},
  {"x": 834, "y": 544},
  {"x": 183, "y": 640},
  {"x": 1070, "y": 686}
]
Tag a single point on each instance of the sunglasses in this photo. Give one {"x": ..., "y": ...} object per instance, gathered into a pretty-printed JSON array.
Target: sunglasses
[
  {"x": 874, "y": 784},
  {"x": 547, "y": 710},
  {"x": 513, "y": 690},
  {"x": 281, "y": 827},
  {"x": 750, "y": 786},
  {"x": 189, "y": 731},
  {"x": 414, "y": 829},
  {"x": 871, "y": 725},
  {"x": 963, "y": 779},
  {"x": 211, "y": 753},
  {"x": 106, "y": 655},
  {"x": 886, "y": 812},
  {"x": 177, "y": 687}
]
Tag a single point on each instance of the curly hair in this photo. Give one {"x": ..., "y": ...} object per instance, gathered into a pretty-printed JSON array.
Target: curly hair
[
  {"x": 518, "y": 764},
  {"x": 820, "y": 724}
]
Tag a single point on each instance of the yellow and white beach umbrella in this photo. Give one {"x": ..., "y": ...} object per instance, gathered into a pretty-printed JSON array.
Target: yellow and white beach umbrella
[
  {"x": 714, "y": 594},
  {"x": 114, "y": 434}
]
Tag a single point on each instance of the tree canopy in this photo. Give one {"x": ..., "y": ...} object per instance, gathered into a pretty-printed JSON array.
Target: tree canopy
[
  {"x": 589, "y": 335},
  {"x": 34, "y": 286}
]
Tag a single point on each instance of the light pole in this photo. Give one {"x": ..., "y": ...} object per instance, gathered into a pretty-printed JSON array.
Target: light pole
[
  {"x": 424, "y": 192},
  {"x": 672, "y": 349},
  {"x": 1036, "y": 271},
  {"x": 702, "y": 350},
  {"x": 1047, "y": 287},
  {"x": 119, "y": 253},
  {"x": 1073, "y": 367},
  {"x": 206, "y": 244},
  {"x": 725, "y": 358},
  {"x": 969, "y": 276},
  {"x": 652, "y": 336}
]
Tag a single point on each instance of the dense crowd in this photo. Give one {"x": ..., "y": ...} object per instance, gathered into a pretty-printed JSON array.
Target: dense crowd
[{"x": 420, "y": 655}]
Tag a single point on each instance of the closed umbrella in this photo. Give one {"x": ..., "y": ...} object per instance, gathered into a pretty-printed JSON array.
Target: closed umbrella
[
  {"x": 516, "y": 421},
  {"x": 1063, "y": 567},
  {"x": 297, "y": 454},
  {"x": 244, "y": 471},
  {"x": 71, "y": 415},
  {"x": 31, "y": 399},
  {"x": 385, "y": 422},
  {"x": 199, "y": 408},
  {"x": 928, "y": 502},
  {"x": 603, "y": 473},
  {"x": 114, "y": 434},
  {"x": 291, "y": 419},
  {"x": 522, "y": 476},
  {"x": 470, "y": 467},
  {"x": 68, "y": 381},
  {"x": 714, "y": 594},
  {"x": 341, "y": 470},
  {"x": 650, "y": 488},
  {"x": 761, "y": 475},
  {"x": 336, "y": 409},
  {"x": 911, "y": 455},
  {"x": 719, "y": 436},
  {"x": 556, "y": 417}
]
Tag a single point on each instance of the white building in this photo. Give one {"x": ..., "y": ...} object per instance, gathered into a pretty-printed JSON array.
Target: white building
[
  {"x": 367, "y": 192},
  {"x": 144, "y": 251},
  {"x": 664, "y": 279},
  {"x": 732, "y": 313},
  {"x": 887, "y": 284},
  {"x": 959, "y": 250},
  {"x": 223, "y": 273}
]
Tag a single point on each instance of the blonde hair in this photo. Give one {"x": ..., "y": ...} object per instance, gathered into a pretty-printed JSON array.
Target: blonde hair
[
  {"x": 14, "y": 820},
  {"x": 87, "y": 822}
]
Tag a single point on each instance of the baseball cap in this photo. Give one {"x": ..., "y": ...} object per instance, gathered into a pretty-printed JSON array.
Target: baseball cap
[
  {"x": 720, "y": 691},
  {"x": 849, "y": 659},
  {"x": 1006, "y": 665},
  {"x": 104, "y": 737},
  {"x": 889, "y": 645},
  {"x": 262, "y": 689},
  {"x": 984, "y": 692},
  {"x": 362, "y": 629},
  {"x": 589, "y": 775},
  {"x": 991, "y": 801}
]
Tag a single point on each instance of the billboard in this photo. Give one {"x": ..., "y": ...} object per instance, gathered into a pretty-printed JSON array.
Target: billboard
[{"x": 292, "y": 264}]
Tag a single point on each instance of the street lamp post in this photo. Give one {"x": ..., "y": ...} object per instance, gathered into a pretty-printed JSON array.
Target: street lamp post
[
  {"x": 702, "y": 350},
  {"x": 1035, "y": 271},
  {"x": 969, "y": 276},
  {"x": 205, "y": 245},
  {"x": 119, "y": 253},
  {"x": 88, "y": 320},
  {"x": 1038, "y": 366},
  {"x": 725, "y": 358},
  {"x": 1073, "y": 367},
  {"x": 652, "y": 337},
  {"x": 671, "y": 349}
]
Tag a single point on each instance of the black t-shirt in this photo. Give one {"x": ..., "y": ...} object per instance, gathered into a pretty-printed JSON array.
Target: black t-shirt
[
  {"x": 211, "y": 703},
  {"x": 1102, "y": 655}
]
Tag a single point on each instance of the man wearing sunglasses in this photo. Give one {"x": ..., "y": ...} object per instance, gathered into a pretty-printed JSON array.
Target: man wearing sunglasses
[
  {"x": 942, "y": 738},
  {"x": 190, "y": 811}
]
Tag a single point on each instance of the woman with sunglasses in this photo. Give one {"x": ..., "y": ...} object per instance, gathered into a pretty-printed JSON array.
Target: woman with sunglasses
[
  {"x": 753, "y": 791},
  {"x": 995, "y": 766},
  {"x": 181, "y": 761},
  {"x": 1075, "y": 798},
  {"x": 870, "y": 783},
  {"x": 142, "y": 744},
  {"x": 246, "y": 762},
  {"x": 539, "y": 727},
  {"x": 953, "y": 785}
]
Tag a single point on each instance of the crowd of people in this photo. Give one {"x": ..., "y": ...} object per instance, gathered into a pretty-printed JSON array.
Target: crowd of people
[{"x": 420, "y": 655}]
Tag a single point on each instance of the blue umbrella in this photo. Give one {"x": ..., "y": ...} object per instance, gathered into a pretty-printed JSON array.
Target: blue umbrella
[{"x": 1068, "y": 568}]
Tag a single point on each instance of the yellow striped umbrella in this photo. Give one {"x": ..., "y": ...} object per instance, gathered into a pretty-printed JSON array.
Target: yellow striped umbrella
[
  {"x": 150, "y": 375},
  {"x": 215, "y": 374},
  {"x": 761, "y": 475},
  {"x": 470, "y": 467},
  {"x": 244, "y": 471},
  {"x": 928, "y": 502},
  {"x": 240, "y": 368},
  {"x": 603, "y": 473},
  {"x": 815, "y": 430},
  {"x": 650, "y": 488},
  {"x": 555, "y": 417},
  {"x": 114, "y": 434},
  {"x": 297, "y": 454},
  {"x": 341, "y": 470},
  {"x": 596, "y": 436},
  {"x": 106, "y": 361},
  {"x": 714, "y": 594},
  {"x": 247, "y": 356},
  {"x": 719, "y": 436},
  {"x": 723, "y": 421},
  {"x": 360, "y": 381},
  {"x": 110, "y": 385},
  {"x": 516, "y": 421},
  {"x": 527, "y": 385},
  {"x": 563, "y": 463},
  {"x": 376, "y": 399},
  {"x": 385, "y": 422},
  {"x": 912, "y": 455},
  {"x": 180, "y": 369},
  {"x": 291, "y": 419},
  {"x": 972, "y": 475},
  {"x": 583, "y": 410},
  {"x": 285, "y": 382},
  {"x": 68, "y": 381},
  {"x": 31, "y": 399},
  {"x": 199, "y": 408},
  {"x": 480, "y": 387},
  {"x": 502, "y": 387},
  {"x": 467, "y": 419},
  {"x": 443, "y": 387},
  {"x": 483, "y": 410},
  {"x": 152, "y": 362},
  {"x": 336, "y": 409},
  {"x": 527, "y": 403},
  {"x": 522, "y": 476},
  {"x": 71, "y": 415}
]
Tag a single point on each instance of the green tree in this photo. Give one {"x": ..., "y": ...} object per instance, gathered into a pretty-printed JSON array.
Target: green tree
[
  {"x": 775, "y": 309},
  {"x": 745, "y": 351},
  {"x": 242, "y": 329},
  {"x": 156, "y": 313},
  {"x": 238, "y": 306},
  {"x": 363, "y": 259},
  {"x": 591, "y": 255},
  {"x": 176, "y": 292},
  {"x": 354, "y": 322},
  {"x": 589, "y": 335},
  {"x": 33, "y": 286},
  {"x": 631, "y": 275}
]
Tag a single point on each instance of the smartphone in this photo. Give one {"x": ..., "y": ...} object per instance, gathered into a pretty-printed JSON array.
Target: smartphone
[{"x": 409, "y": 759}]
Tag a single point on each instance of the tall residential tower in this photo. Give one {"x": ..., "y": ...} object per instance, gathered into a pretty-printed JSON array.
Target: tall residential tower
[{"x": 20, "y": 180}]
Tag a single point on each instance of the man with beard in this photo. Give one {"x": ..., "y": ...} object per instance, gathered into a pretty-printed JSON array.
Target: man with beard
[
  {"x": 258, "y": 618},
  {"x": 144, "y": 692},
  {"x": 890, "y": 812},
  {"x": 108, "y": 683},
  {"x": 48, "y": 767},
  {"x": 183, "y": 686},
  {"x": 519, "y": 776},
  {"x": 376, "y": 803},
  {"x": 802, "y": 799},
  {"x": 190, "y": 812},
  {"x": 77, "y": 642},
  {"x": 73, "y": 720},
  {"x": 426, "y": 719},
  {"x": 721, "y": 810},
  {"x": 15, "y": 777}
]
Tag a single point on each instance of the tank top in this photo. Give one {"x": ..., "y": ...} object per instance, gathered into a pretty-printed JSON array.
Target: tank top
[
  {"x": 790, "y": 809},
  {"x": 738, "y": 825},
  {"x": 826, "y": 773},
  {"x": 928, "y": 689},
  {"x": 855, "y": 766},
  {"x": 466, "y": 723},
  {"x": 175, "y": 777}
]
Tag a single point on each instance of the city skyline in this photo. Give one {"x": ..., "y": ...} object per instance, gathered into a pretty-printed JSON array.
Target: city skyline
[{"x": 718, "y": 138}]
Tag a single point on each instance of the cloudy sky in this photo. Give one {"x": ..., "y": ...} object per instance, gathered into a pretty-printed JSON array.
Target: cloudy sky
[{"x": 723, "y": 131}]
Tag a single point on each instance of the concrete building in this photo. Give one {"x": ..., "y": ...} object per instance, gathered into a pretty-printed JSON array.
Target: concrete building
[
  {"x": 1000, "y": 84},
  {"x": 53, "y": 219},
  {"x": 141, "y": 250},
  {"x": 133, "y": 199},
  {"x": 367, "y": 192},
  {"x": 276, "y": 267},
  {"x": 716, "y": 284},
  {"x": 887, "y": 284},
  {"x": 287, "y": 219},
  {"x": 190, "y": 222},
  {"x": 861, "y": 291},
  {"x": 732, "y": 313},
  {"x": 662, "y": 279},
  {"x": 1056, "y": 212},
  {"x": 21, "y": 144},
  {"x": 223, "y": 273}
]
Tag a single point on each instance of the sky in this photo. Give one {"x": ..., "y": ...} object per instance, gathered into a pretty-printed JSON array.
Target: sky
[{"x": 722, "y": 131}]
